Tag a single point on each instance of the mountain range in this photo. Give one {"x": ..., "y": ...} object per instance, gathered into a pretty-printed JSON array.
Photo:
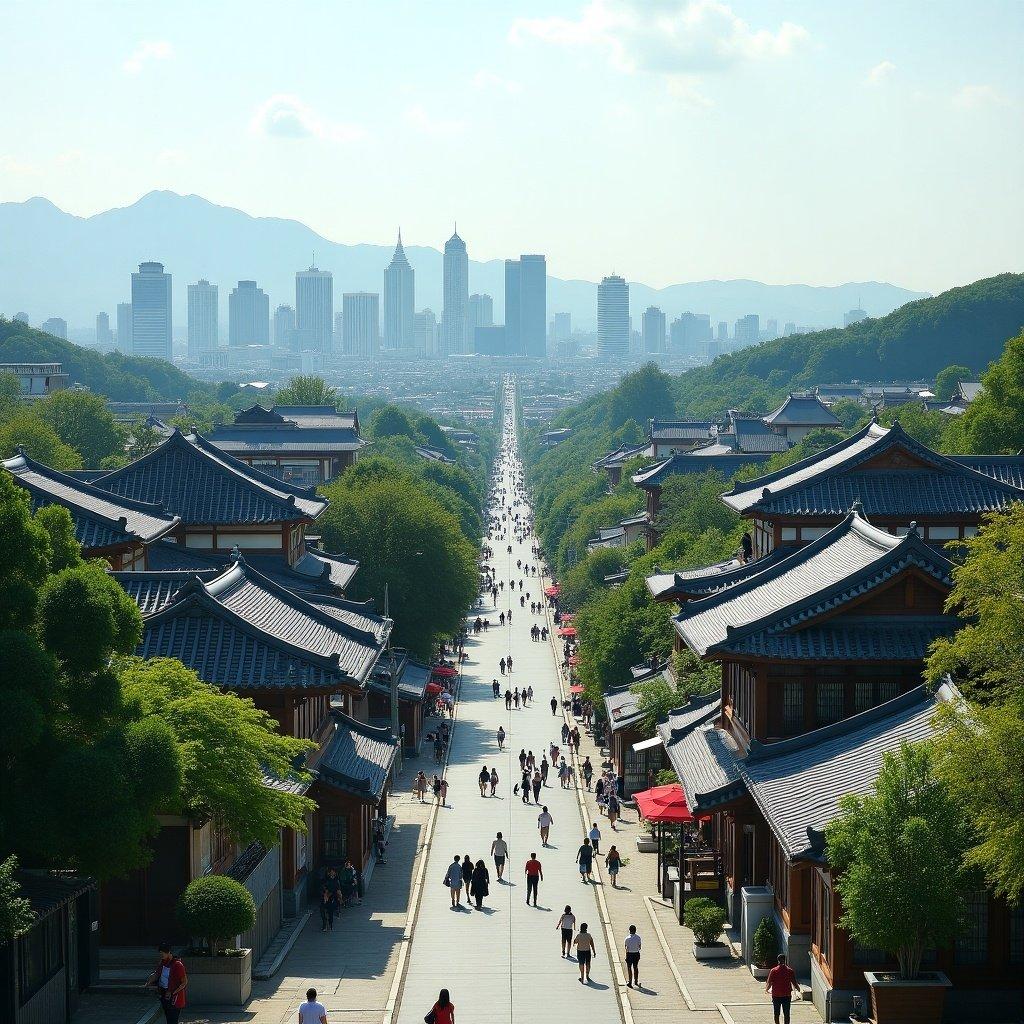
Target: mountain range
[{"x": 53, "y": 263}]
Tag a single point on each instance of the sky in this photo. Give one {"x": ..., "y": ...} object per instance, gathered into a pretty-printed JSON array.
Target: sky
[{"x": 665, "y": 140}]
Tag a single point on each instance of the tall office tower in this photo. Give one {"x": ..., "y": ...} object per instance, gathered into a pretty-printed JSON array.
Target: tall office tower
[
  {"x": 102, "y": 331},
  {"x": 339, "y": 329},
  {"x": 21, "y": 317},
  {"x": 851, "y": 316},
  {"x": 689, "y": 332},
  {"x": 361, "y": 324},
  {"x": 653, "y": 332},
  {"x": 399, "y": 300},
  {"x": 284, "y": 328},
  {"x": 203, "y": 314},
  {"x": 55, "y": 326},
  {"x": 424, "y": 332},
  {"x": 533, "y": 305},
  {"x": 455, "y": 317},
  {"x": 513, "y": 298},
  {"x": 481, "y": 311},
  {"x": 723, "y": 331},
  {"x": 151, "y": 311},
  {"x": 790, "y": 328},
  {"x": 124, "y": 327},
  {"x": 747, "y": 330},
  {"x": 612, "y": 318},
  {"x": 771, "y": 328},
  {"x": 248, "y": 315},
  {"x": 314, "y": 309},
  {"x": 561, "y": 327}
]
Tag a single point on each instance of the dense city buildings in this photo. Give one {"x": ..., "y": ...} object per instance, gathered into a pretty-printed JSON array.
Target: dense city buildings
[
  {"x": 203, "y": 318},
  {"x": 248, "y": 315},
  {"x": 103, "y": 335},
  {"x": 425, "y": 334},
  {"x": 790, "y": 328},
  {"x": 284, "y": 328},
  {"x": 613, "y": 318},
  {"x": 747, "y": 330},
  {"x": 314, "y": 310},
  {"x": 455, "y": 315},
  {"x": 653, "y": 330},
  {"x": 561, "y": 327},
  {"x": 55, "y": 326},
  {"x": 361, "y": 324},
  {"x": 151, "y": 311},
  {"x": 124, "y": 327},
  {"x": 399, "y": 301}
]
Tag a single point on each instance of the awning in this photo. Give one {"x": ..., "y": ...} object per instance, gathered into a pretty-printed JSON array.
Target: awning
[
  {"x": 553, "y": 591},
  {"x": 664, "y": 804},
  {"x": 434, "y": 688},
  {"x": 574, "y": 660},
  {"x": 576, "y": 689},
  {"x": 654, "y": 741},
  {"x": 567, "y": 631},
  {"x": 444, "y": 671},
  {"x": 566, "y": 617}
]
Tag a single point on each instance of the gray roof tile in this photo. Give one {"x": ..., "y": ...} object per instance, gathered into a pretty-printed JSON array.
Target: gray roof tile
[
  {"x": 357, "y": 758},
  {"x": 802, "y": 411}
]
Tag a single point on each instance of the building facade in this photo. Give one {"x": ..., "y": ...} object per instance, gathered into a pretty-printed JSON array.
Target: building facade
[
  {"x": 533, "y": 306},
  {"x": 613, "y": 318},
  {"x": 653, "y": 330},
  {"x": 481, "y": 310},
  {"x": 151, "y": 311},
  {"x": 361, "y": 324},
  {"x": 314, "y": 310},
  {"x": 248, "y": 315},
  {"x": 203, "y": 318},
  {"x": 123, "y": 341},
  {"x": 284, "y": 328},
  {"x": 55, "y": 326},
  {"x": 399, "y": 301},
  {"x": 455, "y": 316}
]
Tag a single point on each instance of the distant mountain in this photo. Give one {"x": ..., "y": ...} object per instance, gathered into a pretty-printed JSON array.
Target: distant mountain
[{"x": 56, "y": 264}]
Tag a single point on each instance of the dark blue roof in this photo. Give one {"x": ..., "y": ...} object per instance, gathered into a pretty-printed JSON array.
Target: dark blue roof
[
  {"x": 723, "y": 461},
  {"x": 687, "y": 583},
  {"x": 802, "y": 411},
  {"x": 357, "y": 758}
]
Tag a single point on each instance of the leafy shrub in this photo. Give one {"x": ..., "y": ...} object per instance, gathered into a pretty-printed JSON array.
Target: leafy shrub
[
  {"x": 766, "y": 943},
  {"x": 705, "y": 919},
  {"x": 216, "y": 908}
]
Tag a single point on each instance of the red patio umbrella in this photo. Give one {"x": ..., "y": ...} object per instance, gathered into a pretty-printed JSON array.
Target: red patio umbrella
[
  {"x": 444, "y": 671},
  {"x": 553, "y": 591},
  {"x": 567, "y": 631},
  {"x": 576, "y": 689},
  {"x": 664, "y": 804},
  {"x": 434, "y": 689},
  {"x": 574, "y": 660},
  {"x": 567, "y": 617}
]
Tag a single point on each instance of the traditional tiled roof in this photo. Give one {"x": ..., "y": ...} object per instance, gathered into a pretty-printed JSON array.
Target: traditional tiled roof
[
  {"x": 681, "y": 430},
  {"x": 829, "y": 482},
  {"x": 357, "y": 758},
  {"x": 797, "y": 783},
  {"x": 754, "y": 435},
  {"x": 412, "y": 679},
  {"x": 204, "y": 485},
  {"x": 621, "y": 707},
  {"x": 697, "y": 711},
  {"x": 637, "y": 519},
  {"x": 433, "y": 455},
  {"x": 152, "y": 591},
  {"x": 47, "y": 892},
  {"x": 101, "y": 520},
  {"x": 704, "y": 759},
  {"x": 688, "y": 583},
  {"x": 968, "y": 390},
  {"x": 720, "y": 458},
  {"x": 802, "y": 410},
  {"x": 622, "y": 455},
  {"x": 1009, "y": 469},
  {"x": 849, "y": 560},
  {"x": 289, "y": 428},
  {"x": 608, "y": 537}
]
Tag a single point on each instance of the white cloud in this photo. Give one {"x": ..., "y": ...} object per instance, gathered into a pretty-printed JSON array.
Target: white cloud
[
  {"x": 428, "y": 124},
  {"x": 12, "y": 165},
  {"x": 977, "y": 97},
  {"x": 881, "y": 72},
  {"x": 147, "y": 52},
  {"x": 286, "y": 116},
  {"x": 487, "y": 80},
  {"x": 668, "y": 37}
]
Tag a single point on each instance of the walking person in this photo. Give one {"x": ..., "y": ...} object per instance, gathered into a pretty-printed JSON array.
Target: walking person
[
  {"x": 566, "y": 924},
  {"x": 483, "y": 780},
  {"x": 508, "y": 700},
  {"x": 588, "y": 771},
  {"x": 525, "y": 786},
  {"x": 585, "y": 860},
  {"x": 443, "y": 1011},
  {"x": 522, "y": 760},
  {"x": 494, "y": 780},
  {"x": 554, "y": 705},
  {"x": 467, "y": 874},
  {"x": 585, "y": 949},
  {"x": 515, "y": 698},
  {"x": 312, "y": 1011},
  {"x": 544, "y": 766},
  {"x": 529, "y": 694},
  {"x": 453, "y": 879},
  {"x": 613, "y": 809},
  {"x": 595, "y": 837},
  {"x": 632, "y": 946},
  {"x": 613, "y": 861},
  {"x": 537, "y": 783},
  {"x": 479, "y": 883},
  {"x": 420, "y": 786},
  {"x": 444, "y": 791},
  {"x": 544, "y": 823},
  {"x": 435, "y": 785},
  {"x": 501, "y": 737},
  {"x": 781, "y": 983},
  {"x": 499, "y": 851},
  {"x": 534, "y": 876},
  {"x": 170, "y": 979}
]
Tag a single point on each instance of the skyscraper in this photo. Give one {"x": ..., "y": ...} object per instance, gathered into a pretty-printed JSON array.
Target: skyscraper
[
  {"x": 21, "y": 317},
  {"x": 513, "y": 292},
  {"x": 653, "y": 331},
  {"x": 424, "y": 327},
  {"x": 771, "y": 329},
  {"x": 399, "y": 300},
  {"x": 361, "y": 324},
  {"x": 533, "y": 306},
  {"x": 124, "y": 327},
  {"x": 314, "y": 309},
  {"x": 203, "y": 313},
  {"x": 613, "y": 318},
  {"x": 248, "y": 315},
  {"x": 852, "y": 316},
  {"x": 455, "y": 318},
  {"x": 55, "y": 326},
  {"x": 102, "y": 331},
  {"x": 481, "y": 311},
  {"x": 561, "y": 327},
  {"x": 284, "y": 328},
  {"x": 748, "y": 330},
  {"x": 723, "y": 331},
  {"x": 151, "y": 311},
  {"x": 790, "y": 328},
  {"x": 339, "y": 329}
]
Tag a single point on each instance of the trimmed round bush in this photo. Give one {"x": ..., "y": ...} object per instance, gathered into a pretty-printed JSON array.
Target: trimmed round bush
[
  {"x": 766, "y": 943},
  {"x": 705, "y": 919},
  {"x": 216, "y": 908}
]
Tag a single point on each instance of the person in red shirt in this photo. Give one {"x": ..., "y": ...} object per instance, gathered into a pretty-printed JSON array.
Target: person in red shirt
[
  {"x": 781, "y": 983},
  {"x": 534, "y": 875},
  {"x": 170, "y": 980},
  {"x": 443, "y": 1011}
]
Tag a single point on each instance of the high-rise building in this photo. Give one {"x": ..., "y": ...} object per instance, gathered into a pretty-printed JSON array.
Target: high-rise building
[
  {"x": 424, "y": 333},
  {"x": 653, "y": 330},
  {"x": 723, "y": 331},
  {"x": 203, "y": 316},
  {"x": 361, "y": 324},
  {"x": 455, "y": 317},
  {"x": 103, "y": 336},
  {"x": 851, "y": 316},
  {"x": 151, "y": 311},
  {"x": 284, "y": 328},
  {"x": 314, "y": 309},
  {"x": 747, "y": 330},
  {"x": 689, "y": 332},
  {"x": 248, "y": 315},
  {"x": 399, "y": 300},
  {"x": 533, "y": 305},
  {"x": 613, "y": 318},
  {"x": 481, "y": 311},
  {"x": 55, "y": 326},
  {"x": 790, "y": 328},
  {"x": 489, "y": 340},
  {"x": 124, "y": 327},
  {"x": 339, "y": 329},
  {"x": 771, "y": 329},
  {"x": 21, "y": 317},
  {"x": 561, "y": 327},
  {"x": 513, "y": 297}
]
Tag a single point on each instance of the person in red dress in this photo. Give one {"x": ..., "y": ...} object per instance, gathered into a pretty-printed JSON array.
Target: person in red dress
[
  {"x": 443, "y": 1011},
  {"x": 781, "y": 983}
]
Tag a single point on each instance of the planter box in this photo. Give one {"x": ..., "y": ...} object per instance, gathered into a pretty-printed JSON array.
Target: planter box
[
  {"x": 219, "y": 980},
  {"x": 646, "y": 844},
  {"x": 895, "y": 1001},
  {"x": 718, "y": 951},
  {"x": 759, "y": 972}
]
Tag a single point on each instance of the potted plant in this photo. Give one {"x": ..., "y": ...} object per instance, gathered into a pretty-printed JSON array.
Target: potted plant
[
  {"x": 765, "y": 948},
  {"x": 897, "y": 855},
  {"x": 646, "y": 841},
  {"x": 706, "y": 919},
  {"x": 215, "y": 909}
]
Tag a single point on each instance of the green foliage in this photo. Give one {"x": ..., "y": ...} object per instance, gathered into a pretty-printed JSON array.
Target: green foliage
[
  {"x": 25, "y": 430},
  {"x": 946, "y": 380},
  {"x": 994, "y": 421},
  {"x": 766, "y": 943},
  {"x": 16, "y": 914},
  {"x": 82, "y": 421},
  {"x": 10, "y": 394},
  {"x": 585, "y": 580},
  {"x": 898, "y": 854},
  {"x": 930, "y": 428},
  {"x": 216, "y": 908},
  {"x": 309, "y": 390},
  {"x": 706, "y": 919},
  {"x": 392, "y": 421},
  {"x": 849, "y": 412}
]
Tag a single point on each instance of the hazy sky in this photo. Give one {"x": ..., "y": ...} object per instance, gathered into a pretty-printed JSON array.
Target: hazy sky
[{"x": 818, "y": 141}]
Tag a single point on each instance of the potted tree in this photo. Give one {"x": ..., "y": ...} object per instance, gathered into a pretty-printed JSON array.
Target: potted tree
[
  {"x": 214, "y": 910},
  {"x": 765, "y": 948},
  {"x": 706, "y": 919},
  {"x": 897, "y": 855}
]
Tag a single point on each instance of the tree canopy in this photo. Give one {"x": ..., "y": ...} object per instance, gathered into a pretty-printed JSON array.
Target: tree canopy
[{"x": 308, "y": 390}]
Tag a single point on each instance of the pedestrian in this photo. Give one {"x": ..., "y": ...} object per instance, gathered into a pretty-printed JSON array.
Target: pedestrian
[
  {"x": 565, "y": 732},
  {"x": 566, "y": 924},
  {"x": 494, "y": 780},
  {"x": 632, "y": 945},
  {"x": 595, "y": 837},
  {"x": 501, "y": 737},
  {"x": 420, "y": 786},
  {"x": 515, "y": 697},
  {"x": 522, "y": 759},
  {"x": 563, "y": 774},
  {"x": 444, "y": 791},
  {"x": 531, "y": 762},
  {"x": 781, "y": 983},
  {"x": 588, "y": 771},
  {"x": 529, "y": 694},
  {"x": 483, "y": 779},
  {"x": 495, "y": 688},
  {"x": 613, "y": 862},
  {"x": 479, "y": 882},
  {"x": 613, "y": 809},
  {"x": 537, "y": 783},
  {"x": 525, "y": 786},
  {"x": 499, "y": 851},
  {"x": 585, "y": 859},
  {"x": 510, "y": 656},
  {"x": 544, "y": 767},
  {"x": 311, "y": 1011},
  {"x": 585, "y": 949},
  {"x": 544, "y": 823},
  {"x": 508, "y": 700},
  {"x": 501, "y": 665},
  {"x": 436, "y": 787},
  {"x": 599, "y": 793},
  {"x": 453, "y": 879},
  {"x": 554, "y": 705},
  {"x": 443, "y": 1011},
  {"x": 534, "y": 876},
  {"x": 170, "y": 979}
]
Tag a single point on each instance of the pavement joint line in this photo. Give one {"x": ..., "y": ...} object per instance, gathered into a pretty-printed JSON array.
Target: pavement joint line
[
  {"x": 726, "y": 1015},
  {"x": 663, "y": 940},
  {"x": 150, "y": 1015}
]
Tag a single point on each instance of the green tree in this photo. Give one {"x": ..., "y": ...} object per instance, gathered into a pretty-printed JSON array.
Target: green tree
[
  {"x": 16, "y": 914},
  {"x": 994, "y": 421},
  {"x": 849, "y": 412},
  {"x": 898, "y": 856},
  {"x": 585, "y": 580},
  {"x": 946, "y": 380},
  {"x": 392, "y": 421},
  {"x": 308, "y": 390},
  {"x": 216, "y": 908},
  {"x": 83, "y": 422},
  {"x": 10, "y": 395},
  {"x": 25, "y": 430}
]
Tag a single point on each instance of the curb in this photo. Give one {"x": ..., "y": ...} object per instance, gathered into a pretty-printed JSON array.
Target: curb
[
  {"x": 659, "y": 931},
  {"x": 275, "y": 964}
]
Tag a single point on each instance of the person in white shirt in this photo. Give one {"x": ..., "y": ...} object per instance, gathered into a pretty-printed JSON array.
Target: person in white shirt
[
  {"x": 567, "y": 926},
  {"x": 595, "y": 837},
  {"x": 545, "y": 821},
  {"x": 312, "y": 1012},
  {"x": 499, "y": 851},
  {"x": 632, "y": 945}
]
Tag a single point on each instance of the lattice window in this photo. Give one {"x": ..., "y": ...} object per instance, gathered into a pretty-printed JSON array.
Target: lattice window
[
  {"x": 972, "y": 944},
  {"x": 792, "y": 707},
  {"x": 1016, "y": 944},
  {"x": 829, "y": 703},
  {"x": 335, "y": 837}
]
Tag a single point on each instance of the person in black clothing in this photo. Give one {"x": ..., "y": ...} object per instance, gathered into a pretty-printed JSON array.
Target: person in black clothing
[
  {"x": 479, "y": 885},
  {"x": 554, "y": 705},
  {"x": 525, "y": 786},
  {"x": 748, "y": 547}
]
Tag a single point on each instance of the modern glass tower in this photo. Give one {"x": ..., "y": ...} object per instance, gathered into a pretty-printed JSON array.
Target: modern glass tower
[
  {"x": 314, "y": 309},
  {"x": 361, "y": 324},
  {"x": 513, "y": 297},
  {"x": 533, "y": 306},
  {"x": 613, "y": 318},
  {"x": 284, "y": 328},
  {"x": 399, "y": 300},
  {"x": 455, "y": 317},
  {"x": 248, "y": 315},
  {"x": 151, "y": 312},
  {"x": 124, "y": 327},
  {"x": 203, "y": 311},
  {"x": 653, "y": 330}
]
